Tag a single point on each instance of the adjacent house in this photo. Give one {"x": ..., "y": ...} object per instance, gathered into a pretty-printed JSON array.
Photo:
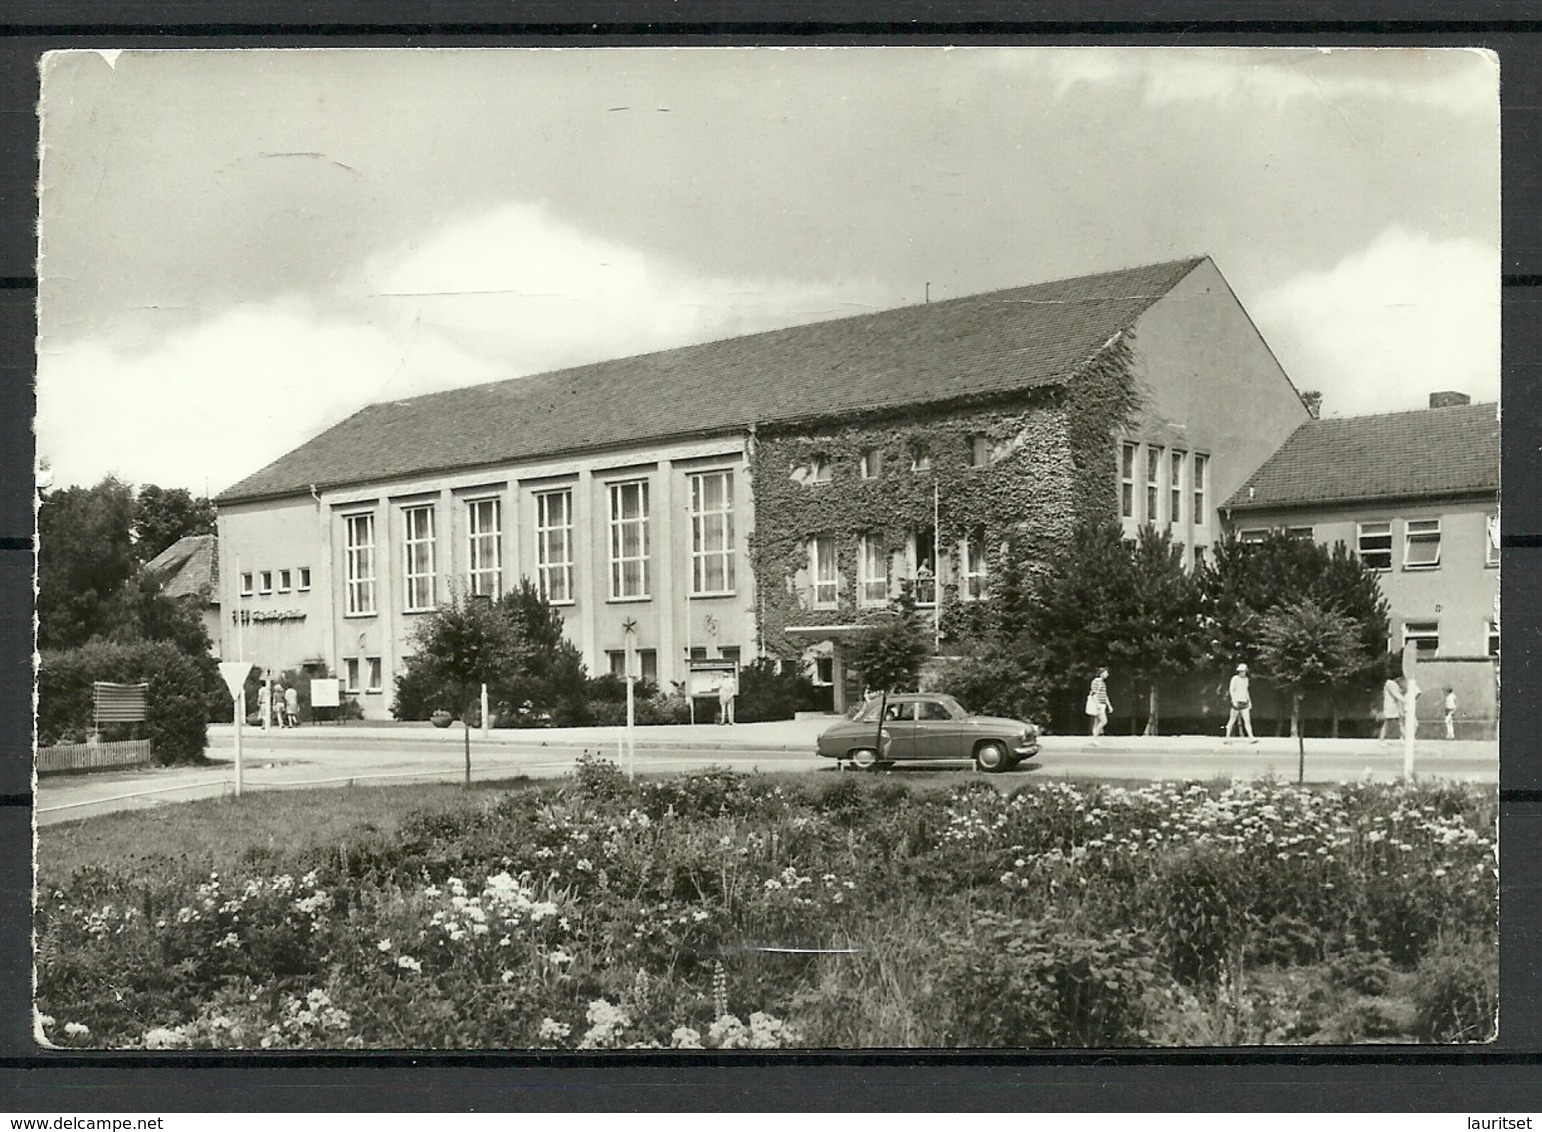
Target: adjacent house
[
  {"x": 1416, "y": 495},
  {"x": 751, "y": 496},
  {"x": 190, "y": 568}
]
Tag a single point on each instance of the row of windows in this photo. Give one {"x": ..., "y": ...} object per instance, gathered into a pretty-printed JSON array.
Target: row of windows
[
  {"x": 1425, "y": 637},
  {"x": 262, "y": 581},
  {"x": 1421, "y": 543},
  {"x": 1170, "y": 477},
  {"x": 978, "y": 453},
  {"x": 630, "y": 546},
  {"x": 874, "y": 565},
  {"x": 371, "y": 670}
]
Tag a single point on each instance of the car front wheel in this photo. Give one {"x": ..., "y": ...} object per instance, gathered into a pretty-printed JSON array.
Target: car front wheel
[
  {"x": 865, "y": 758},
  {"x": 992, "y": 757}
]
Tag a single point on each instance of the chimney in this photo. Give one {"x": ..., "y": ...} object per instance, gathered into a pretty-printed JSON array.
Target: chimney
[
  {"x": 1448, "y": 399},
  {"x": 1312, "y": 399}
]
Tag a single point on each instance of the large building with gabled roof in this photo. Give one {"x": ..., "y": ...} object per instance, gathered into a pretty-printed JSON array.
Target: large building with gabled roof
[
  {"x": 751, "y": 496},
  {"x": 1416, "y": 495}
]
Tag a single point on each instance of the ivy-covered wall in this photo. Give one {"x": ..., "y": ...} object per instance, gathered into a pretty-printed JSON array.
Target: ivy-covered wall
[{"x": 1051, "y": 465}]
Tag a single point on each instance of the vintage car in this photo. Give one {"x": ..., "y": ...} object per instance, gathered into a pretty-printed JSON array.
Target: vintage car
[{"x": 922, "y": 726}]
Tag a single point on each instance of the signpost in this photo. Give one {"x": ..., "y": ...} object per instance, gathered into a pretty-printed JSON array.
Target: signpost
[
  {"x": 1410, "y": 705},
  {"x": 630, "y": 629},
  {"x": 234, "y": 672}
]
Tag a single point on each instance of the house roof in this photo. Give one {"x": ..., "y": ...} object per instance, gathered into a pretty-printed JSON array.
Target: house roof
[
  {"x": 190, "y": 567},
  {"x": 934, "y": 352},
  {"x": 1423, "y": 453}
]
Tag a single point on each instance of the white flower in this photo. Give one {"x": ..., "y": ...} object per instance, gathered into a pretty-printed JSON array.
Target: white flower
[
  {"x": 163, "y": 1038},
  {"x": 552, "y": 1030},
  {"x": 77, "y": 1030},
  {"x": 383, "y": 945},
  {"x": 408, "y": 963}
]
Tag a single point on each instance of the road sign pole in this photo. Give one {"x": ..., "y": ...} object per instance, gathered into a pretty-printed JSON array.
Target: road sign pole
[{"x": 240, "y": 712}]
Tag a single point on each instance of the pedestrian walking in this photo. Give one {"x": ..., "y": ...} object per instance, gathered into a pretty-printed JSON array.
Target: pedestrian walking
[
  {"x": 278, "y": 705},
  {"x": 727, "y": 689},
  {"x": 1098, "y": 705},
  {"x": 1449, "y": 706},
  {"x": 1240, "y": 694},
  {"x": 291, "y": 707},
  {"x": 264, "y": 704},
  {"x": 1391, "y": 708}
]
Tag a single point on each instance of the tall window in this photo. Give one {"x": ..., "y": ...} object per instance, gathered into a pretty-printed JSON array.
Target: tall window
[
  {"x": 1201, "y": 472},
  {"x": 1175, "y": 459},
  {"x": 1421, "y": 544},
  {"x": 872, "y": 571},
  {"x": 712, "y": 533},
  {"x": 554, "y": 544},
  {"x": 1374, "y": 545},
  {"x": 978, "y": 451},
  {"x": 1492, "y": 632},
  {"x": 418, "y": 557},
  {"x": 629, "y": 539},
  {"x": 283, "y": 581},
  {"x": 376, "y": 683},
  {"x": 923, "y": 559},
  {"x": 920, "y": 457},
  {"x": 484, "y": 547},
  {"x": 870, "y": 464},
  {"x": 1491, "y": 547},
  {"x": 351, "y": 673},
  {"x": 974, "y": 566},
  {"x": 359, "y": 563},
  {"x": 826, "y": 574},
  {"x": 246, "y": 585},
  {"x": 267, "y": 582},
  {"x": 1127, "y": 481},
  {"x": 1153, "y": 479}
]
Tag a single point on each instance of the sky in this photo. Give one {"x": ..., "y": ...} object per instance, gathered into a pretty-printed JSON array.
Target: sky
[{"x": 238, "y": 249}]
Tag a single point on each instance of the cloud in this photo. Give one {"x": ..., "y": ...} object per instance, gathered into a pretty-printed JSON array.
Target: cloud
[
  {"x": 522, "y": 288},
  {"x": 503, "y": 294},
  {"x": 1459, "y": 80},
  {"x": 1383, "y": 328}
]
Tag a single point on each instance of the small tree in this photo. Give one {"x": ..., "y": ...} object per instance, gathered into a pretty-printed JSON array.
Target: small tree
[
  {"x": 890, "y": 651},
  {"x": 1304, "y": 645},
  {"x": 457, "y": 649}
]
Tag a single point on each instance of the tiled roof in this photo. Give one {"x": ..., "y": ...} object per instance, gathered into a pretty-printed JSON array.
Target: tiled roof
[
  {"x": 190, "y": 567},
  {"x": 1422, "y": 453},
  {"x": 943, "y": 351}
]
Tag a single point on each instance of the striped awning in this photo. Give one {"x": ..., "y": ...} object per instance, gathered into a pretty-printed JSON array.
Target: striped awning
[{"x": 119, "y": 703}]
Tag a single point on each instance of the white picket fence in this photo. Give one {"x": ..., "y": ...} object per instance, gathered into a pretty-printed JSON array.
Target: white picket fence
[{"x": 93, "y": 756}]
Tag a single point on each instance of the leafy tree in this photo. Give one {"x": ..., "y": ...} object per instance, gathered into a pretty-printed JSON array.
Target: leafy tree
[
  {"x": 164, "y": 515},
  {"x": 1103, "y": 602},
  {"x": 85, "y": 554},
  {"x": 546, "y": 671},
  {"x": 1244, "y": 581},
  {"x": 141, "y": 611},
  {"x": 890, "y": 650},
  {"x": 457, "y": 649},
  {"x": 1303, "y": 645}
]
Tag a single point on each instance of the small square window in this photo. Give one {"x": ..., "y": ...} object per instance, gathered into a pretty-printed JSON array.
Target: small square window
[
  {"x": 267, "y": 582},
  {"x": 246, "y": 585},
  {"x": 284, "y": 581},
  {"x": 305, "y": 578},
  {"x": 1421, "y": 544},
  {"x": 1425, "y": 636},
  {"x": 920, "y": 458}
]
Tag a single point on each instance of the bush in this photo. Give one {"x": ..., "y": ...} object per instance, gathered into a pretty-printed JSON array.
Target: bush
[
  {"x": 996, "y": 684},
  {"x": 765, "y": 694},
  {"x": 181, "y": 688},
  {"x": 1456, "y": 991},
  {"x": 1012, "y": 982}
]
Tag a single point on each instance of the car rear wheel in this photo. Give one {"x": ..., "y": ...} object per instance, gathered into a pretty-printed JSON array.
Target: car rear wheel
[
  {"x": 991, "y": 757},
  {"x": 865, "y": 758}
]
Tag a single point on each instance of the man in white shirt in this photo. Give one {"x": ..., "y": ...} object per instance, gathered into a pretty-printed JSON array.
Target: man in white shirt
[{"x": 1241, "y": 704}]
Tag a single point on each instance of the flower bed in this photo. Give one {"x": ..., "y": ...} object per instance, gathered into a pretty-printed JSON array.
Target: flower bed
[{"x": 722, "y": 911}]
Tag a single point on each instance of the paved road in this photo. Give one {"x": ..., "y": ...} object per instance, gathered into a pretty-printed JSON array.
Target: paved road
[{"x": 318, "y": 757}]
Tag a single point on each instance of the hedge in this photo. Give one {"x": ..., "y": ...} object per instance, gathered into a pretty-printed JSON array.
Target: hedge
[{"x": 182, "y": 689}]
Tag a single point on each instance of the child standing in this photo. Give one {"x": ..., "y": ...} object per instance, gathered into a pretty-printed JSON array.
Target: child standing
[{"x": 1449, "y": 704}]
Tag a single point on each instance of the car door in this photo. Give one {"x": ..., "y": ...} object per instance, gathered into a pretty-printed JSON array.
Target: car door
[
  {"x": 937, "y": 733},
  {"x": 900, "y": 726}
]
